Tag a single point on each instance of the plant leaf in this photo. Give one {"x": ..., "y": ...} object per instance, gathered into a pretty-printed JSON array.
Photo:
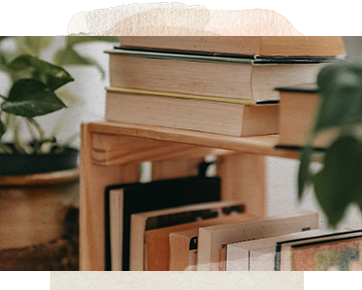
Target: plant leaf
[
  {"x": 339, "y": 183},
  {"x": 33, "y": 45},
  {"x": 30, "y": 98},
  {"x": 68, "y": 56},
  {"x": 334, "y": 209},
  {"x": 304, "y": 174},
  {"x": 340, "y": 87},
  {"x": 2, "y": 128},
  {"x": 27, "y": 66}
]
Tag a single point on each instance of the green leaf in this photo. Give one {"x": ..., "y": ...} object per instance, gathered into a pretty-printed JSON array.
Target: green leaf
[
  {"x": 29, "y": 67},
  {"x": 2, "y": 128},
  {"x": 340, "y": 87},
  {"x": 30, "y": 98},
  {"x": 33, "y": 45},
  {"x": 69, "y": 56},
  {"x": 339, "y": 183},
  {"x": 304, "y": 174},
  {"x": 333, "y": 207}
]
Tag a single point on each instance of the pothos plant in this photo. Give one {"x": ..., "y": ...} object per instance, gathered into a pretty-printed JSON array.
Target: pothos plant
[
  {"x": 338, "y": 184},
  {"x": 34, "y": 90}
]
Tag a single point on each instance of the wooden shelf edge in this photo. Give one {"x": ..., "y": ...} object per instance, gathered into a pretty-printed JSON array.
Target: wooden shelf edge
[{"x": 260, "y": 145}]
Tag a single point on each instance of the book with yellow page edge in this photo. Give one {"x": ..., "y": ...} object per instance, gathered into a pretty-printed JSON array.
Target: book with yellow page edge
[
  {"x": 240, "y": 45},
  {"x": 196, "y": 113},
  {"x": 244, "y": 77}
]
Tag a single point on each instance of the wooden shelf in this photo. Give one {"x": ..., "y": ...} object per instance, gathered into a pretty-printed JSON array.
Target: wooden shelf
[
  {"x": 174, "y": 143},
  {"x": 111, "y": 153}
]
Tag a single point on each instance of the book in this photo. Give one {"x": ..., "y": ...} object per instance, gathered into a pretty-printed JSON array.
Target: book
[
  {"x": 203, "y": 116},
  {"x": 336, "y": 251},
  {"x": 183, "y": 245},
  {"x": 157, "y": 241},
  {"x": 146, "y": 221},
  {"x": 298, "y": 111},
  {"x": 240, "y": 45},
  {"x": 183, "y": 250},
  {"x": 121, "y": 201},
  {"x": 259, "y": 255},
  {"x": 218, "y": 77},
  {"x": 212, "y": 238}
]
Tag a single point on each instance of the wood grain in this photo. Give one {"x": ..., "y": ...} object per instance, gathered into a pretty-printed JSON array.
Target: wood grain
[
  {"x": 93, "y": 180},
  {"x": 243, "y": 178},
  {"x": 260, "y": 145}
]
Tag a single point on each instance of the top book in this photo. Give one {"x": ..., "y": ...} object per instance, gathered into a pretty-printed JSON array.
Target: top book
[{"x": 323, "y": 46}]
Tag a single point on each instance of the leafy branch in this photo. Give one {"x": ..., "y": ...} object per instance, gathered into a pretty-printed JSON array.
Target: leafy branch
[{"x": 338, "y": 184}]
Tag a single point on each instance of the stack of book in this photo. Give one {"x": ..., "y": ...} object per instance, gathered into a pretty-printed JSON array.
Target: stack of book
[{"x": 221, "y": 85}]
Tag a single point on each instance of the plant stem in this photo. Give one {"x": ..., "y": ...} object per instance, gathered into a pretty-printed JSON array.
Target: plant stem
[
  {"x": 3, "y": 97},
  {"x": 38, "y": 127}
]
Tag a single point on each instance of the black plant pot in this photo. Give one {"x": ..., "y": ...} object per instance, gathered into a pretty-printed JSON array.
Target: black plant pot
[{"x": 22, "y": 164}]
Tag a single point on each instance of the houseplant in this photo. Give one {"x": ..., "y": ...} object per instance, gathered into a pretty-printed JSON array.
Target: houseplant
[
  {"x": 338, "y": 183},
  {"x": 33, "y": 93},
  {"x": 39, "y": 179}
]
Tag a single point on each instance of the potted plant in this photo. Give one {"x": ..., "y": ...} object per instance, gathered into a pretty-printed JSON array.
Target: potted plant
[
  {"x": 338, "y": 183},
  {"x": 38, "y": 174}
]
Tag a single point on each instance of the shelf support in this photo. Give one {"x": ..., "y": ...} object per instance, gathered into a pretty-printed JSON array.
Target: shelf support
[{"x": 243, "y": 178}]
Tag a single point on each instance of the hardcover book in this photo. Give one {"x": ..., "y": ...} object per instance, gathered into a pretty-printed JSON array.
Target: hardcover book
[
  {"x": 218, "y": 77},
  {"x": 212, "y": 238},
  {"x": 338, "y": 251},
  {"x": 157, "y": 241},
  {"x": 240, "y": 45},
  {"x": 145, "y": 221},
  {"x": 121, "y": 201},
  {"x": 150, "y": 108},
  {"x": 298, "y": 112}
]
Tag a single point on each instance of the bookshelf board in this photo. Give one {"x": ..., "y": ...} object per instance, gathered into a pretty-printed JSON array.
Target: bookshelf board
[{"x": 111, "y": 154}]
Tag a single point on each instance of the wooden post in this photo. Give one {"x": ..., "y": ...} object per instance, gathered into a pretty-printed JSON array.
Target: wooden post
[
  {"x": 93, "y": 181},
  {"x": 243, "y": 178}
]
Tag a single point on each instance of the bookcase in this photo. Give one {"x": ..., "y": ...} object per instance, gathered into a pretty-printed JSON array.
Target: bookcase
[{"x": 112, "y": 152}]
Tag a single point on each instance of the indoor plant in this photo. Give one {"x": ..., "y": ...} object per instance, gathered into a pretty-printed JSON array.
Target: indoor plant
[
  {"x": 34, "y": 82},
  {"x": 39, "y": 188},
  {"x": 338, "y": 183}
]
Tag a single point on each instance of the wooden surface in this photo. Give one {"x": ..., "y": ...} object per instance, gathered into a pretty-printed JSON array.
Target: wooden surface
[
  {"x": 120, "y": 149},
  {"x": 41, "y": 178},
  {"x": 93, "y": 181},
  {"x": 111, "y": 153},
  {"x": 260, "y": 145},
  {"x": 243, "y": 178},
  {"x": 168, "y": 169}
]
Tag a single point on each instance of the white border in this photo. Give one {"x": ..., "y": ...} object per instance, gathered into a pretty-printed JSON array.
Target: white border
[{"x": 310, "y": 17}]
